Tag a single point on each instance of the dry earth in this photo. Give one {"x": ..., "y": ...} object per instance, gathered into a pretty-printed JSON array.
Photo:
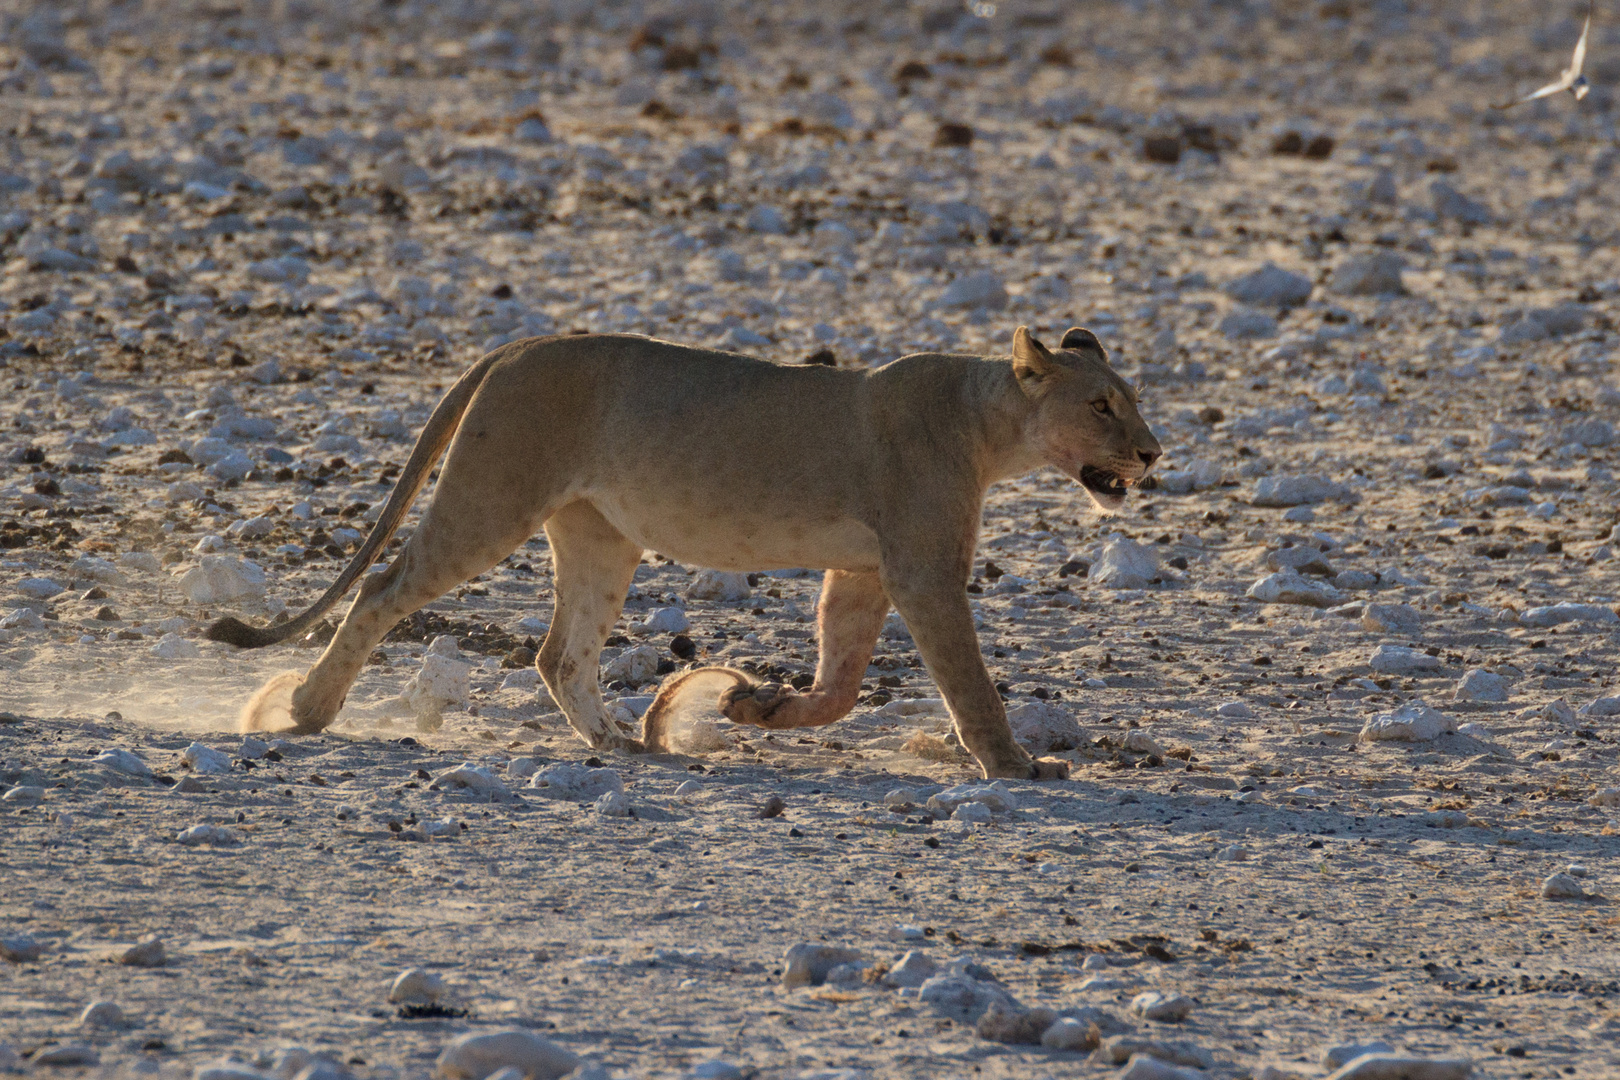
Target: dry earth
[{"x": 247, "y": 245}]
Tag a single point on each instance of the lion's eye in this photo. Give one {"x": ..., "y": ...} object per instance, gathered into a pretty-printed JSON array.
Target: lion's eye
[{"x": 1101, "y": 405}]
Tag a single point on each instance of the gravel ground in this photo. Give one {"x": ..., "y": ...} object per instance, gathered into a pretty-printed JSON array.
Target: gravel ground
[{"x": 1339, "y": 692}]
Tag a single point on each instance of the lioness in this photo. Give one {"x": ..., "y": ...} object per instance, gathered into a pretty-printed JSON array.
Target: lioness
[{"x": 615, "y": 444}]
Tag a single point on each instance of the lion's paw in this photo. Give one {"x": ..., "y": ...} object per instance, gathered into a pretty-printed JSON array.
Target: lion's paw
[
  {"x": 1049, "y": 768},
  {"x": 754, "y": 705}
]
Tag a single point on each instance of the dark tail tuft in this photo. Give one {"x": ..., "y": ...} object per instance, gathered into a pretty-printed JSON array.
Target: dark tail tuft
[{"x": 236, "y": 632}]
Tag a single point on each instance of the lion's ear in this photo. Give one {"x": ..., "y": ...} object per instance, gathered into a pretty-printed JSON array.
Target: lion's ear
[
  {"x": 1032, "y": 361},
  {"x": 1080, "y": 339}
]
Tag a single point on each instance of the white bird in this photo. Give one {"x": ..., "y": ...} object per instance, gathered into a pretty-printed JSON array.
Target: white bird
[{"x": 1571, "y": 79}]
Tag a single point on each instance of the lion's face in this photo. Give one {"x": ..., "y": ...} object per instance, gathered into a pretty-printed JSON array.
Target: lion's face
[{"x": 1086, "y": 422}]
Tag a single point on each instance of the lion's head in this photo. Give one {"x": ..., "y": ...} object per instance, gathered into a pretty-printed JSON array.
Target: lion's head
[{"x": 1085, "y": 421}]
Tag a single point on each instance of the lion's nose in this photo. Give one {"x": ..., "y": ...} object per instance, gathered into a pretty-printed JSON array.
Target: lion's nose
[{"x": 1148, "y": 457}]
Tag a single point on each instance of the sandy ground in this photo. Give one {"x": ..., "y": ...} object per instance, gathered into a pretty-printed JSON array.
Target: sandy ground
[{"x": 246, "y": 250}]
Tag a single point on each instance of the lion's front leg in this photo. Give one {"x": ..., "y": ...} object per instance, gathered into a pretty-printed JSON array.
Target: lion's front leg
[{"x": 941, "y": 622}]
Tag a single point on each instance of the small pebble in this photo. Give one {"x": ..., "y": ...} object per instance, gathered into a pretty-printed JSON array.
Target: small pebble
[
  {"x": 20, "y": 948},
  {"x": 149, "y": 952},
  {"x": 414, "y": 986},
  {"x": 1562, "y": 886},
  {"x": 102, "y": 1014},
  {"x": 1162, "y": 1007},
  {"x": 476, "y": 1056},
  {"x": 66, "y": 1054}
]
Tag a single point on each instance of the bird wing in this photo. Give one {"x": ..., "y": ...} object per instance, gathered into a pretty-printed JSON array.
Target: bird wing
[
  {"x": 1546, "y": 91},
  {"x": 1577, "y": 61}
]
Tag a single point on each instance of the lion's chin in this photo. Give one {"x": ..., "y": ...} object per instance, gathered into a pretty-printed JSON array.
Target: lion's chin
[{"x": 1107, "y": 489}]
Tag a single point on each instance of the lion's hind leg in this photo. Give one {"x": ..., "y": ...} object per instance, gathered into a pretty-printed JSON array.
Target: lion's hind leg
[
  {"x": 270, "y": 707},
  {"x": 683, "y": 700},
  {"x": 595, "y": 564},
  {"x": 849, "y": 617}
]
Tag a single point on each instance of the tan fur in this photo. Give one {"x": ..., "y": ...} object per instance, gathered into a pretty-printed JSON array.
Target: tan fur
[{"x": 615, "y": 444}]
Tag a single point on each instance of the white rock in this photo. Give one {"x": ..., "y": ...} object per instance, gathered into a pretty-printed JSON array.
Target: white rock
[
  {"x": 253, "y": 528},
  {"x": 122, "y": 761},
  {"x": 208, "y": 835},
  {"x": 521, "y": 768},
  {"x": 576, "y": 783},
  {"x": 634, "y": 667},
  {"x": 1125, "y": 564},
  {"x": 1043, "y": 728},
  {"x": 477, "y": 779},
  {"x": 1148, "y": 1067},
  {"x": 715, "y": 1069},
  {"x": 232, "y": 1070},
  {"x": 978, "y": 289},
  {"x": 1244, "y": 324},
  {"x": 39, "y": 588},
  {"x": 1556, "y": 711},
  {"x": 205, "y": 759},
  {"x": 23, "y": 619},
  {"x": 1270, "y": 287},
  {"x": 719, "y": 585},
  {"x": 415, "y": 986},
  {"x": 66, "y": 1054},
  {"x": 1066, "y": 1033},
  {"x": 1289, "y": 587},
  {"x": 1412, "y": 722},
  {"x": 102, "y": 1014},
  {"x": 1608, "y": 797},
  {"x": 1235, "y": 710},
  {"x": 914, "y": 968},
  {"x": 1400, "y": 660},
  {"x": 1340, "y": 1054},
  {"x": 1557, "y": 614},
  {"x": 442, "y": 682},
  {"x": 1373, "y": 274},
  {"x": 149, "y": 952},
  {"x": 972, "y": 813},
  {"x": 1602, "y": 707},
  {"x": 1403, "y": 1067},
  {"x": 175, "y": 647},
  {"x": 808, "y": 964},
  {"x": 664, "y": 620},
  {"x": 526, "y": 679},
  {"x": 613, "y": 804},
  {"x": 1477, "y": 684},
  {"x": 28, "y": 793},
  {"x": 220, "y": 578},
  {"x": 98, "y": 569},
  {"x": 1164, "y": 1007},
  {"x": 1121, "y": 1048},
  {"x": 1140, "y": 742},
  {"x": 20, "y": 948},
  {"x": 1391, "y": 619},
  {"x": 993, "y": 795},
  {"x": 1562, "y": 886},
  {"x": 476, "y": 1056},
  {"x": 1299, "y": 491},
  {"x": 1232, "y": 853},
  {"x": 233, "y": 466},
  {"x": 963, "y": 998},
  {"x": 254, "y": 748}
]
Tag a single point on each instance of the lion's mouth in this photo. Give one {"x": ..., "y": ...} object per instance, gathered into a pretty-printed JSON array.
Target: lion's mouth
[{"x": 1102, "y": 482}]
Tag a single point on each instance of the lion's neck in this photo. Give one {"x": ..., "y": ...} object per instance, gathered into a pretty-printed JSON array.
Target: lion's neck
[{"x": 1008, "y": 450}]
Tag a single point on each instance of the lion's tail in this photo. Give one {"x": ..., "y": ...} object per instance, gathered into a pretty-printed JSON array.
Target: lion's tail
[
  {"x": 436, "y": 435},
  {"x": 698, "y": 689}
]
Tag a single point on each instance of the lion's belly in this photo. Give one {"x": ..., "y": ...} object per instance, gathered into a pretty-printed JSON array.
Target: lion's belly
[{"x": 743, "y": 539}]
